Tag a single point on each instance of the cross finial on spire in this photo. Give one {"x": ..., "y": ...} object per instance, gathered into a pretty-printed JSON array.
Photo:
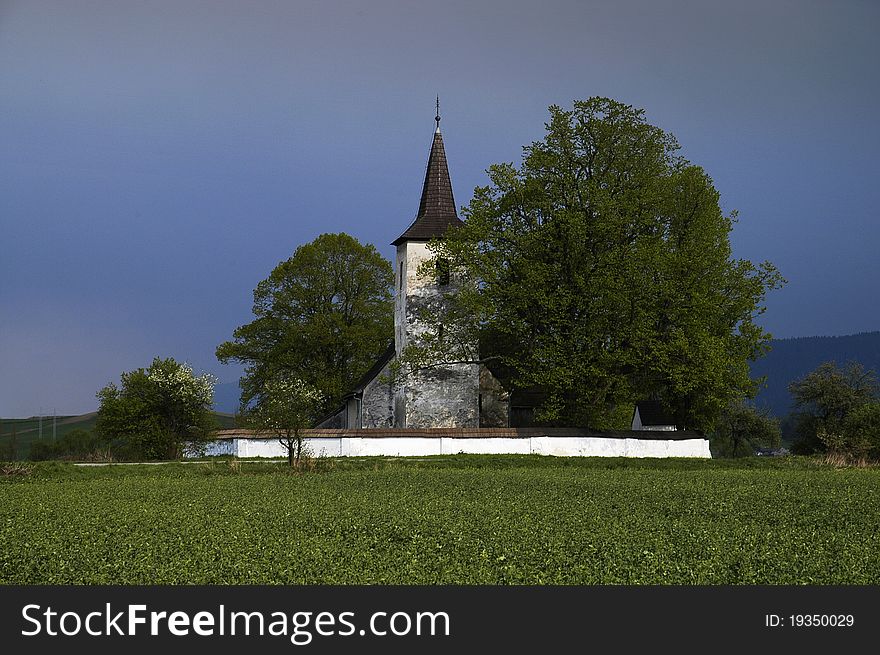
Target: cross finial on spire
[{"x": 437, "y": 116}]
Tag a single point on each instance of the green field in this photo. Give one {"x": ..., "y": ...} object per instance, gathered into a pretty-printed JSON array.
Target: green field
[
  {"x": 28, "y": 430},
  {"x": 444, "y": 520}
]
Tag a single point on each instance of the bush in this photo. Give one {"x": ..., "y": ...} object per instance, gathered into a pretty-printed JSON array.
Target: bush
[
  {"x": 861, "y": 431},
  {"x": 155, "y": 413},
  {"x": 741, "y": 429},
  {"x": 76, "y": 444},
  {"x": 834, "y": 411}
]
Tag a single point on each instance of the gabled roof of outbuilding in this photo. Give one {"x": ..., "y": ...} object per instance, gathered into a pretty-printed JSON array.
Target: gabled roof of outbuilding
[
  {"x": 437, "y": 206},
  {"x": 652, "y": 412}
]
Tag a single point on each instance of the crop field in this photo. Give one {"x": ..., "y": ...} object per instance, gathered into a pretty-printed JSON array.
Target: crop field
[{"x": 445, "y": 520}]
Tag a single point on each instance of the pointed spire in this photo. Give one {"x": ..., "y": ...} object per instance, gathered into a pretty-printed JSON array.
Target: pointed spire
[{"x": 437, "y": 206}]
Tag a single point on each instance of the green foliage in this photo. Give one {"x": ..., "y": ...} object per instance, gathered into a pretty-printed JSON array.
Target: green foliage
[
  {"x": 463, "y": 520},
  {"x": 862, "y": 431},
  {"x": 323, "y": 316},
  {"x": 9, "y": 446},
  {"x": 156, "y": 412},
  {"x": 601, "y": 271},
  {"x": 741, "y": 429},
  {"x": 27, "y": 432},
  {"x": 75, "y": 444},
  {"x": 286, "y": 406},
  {"x": 829, "y": 401}
]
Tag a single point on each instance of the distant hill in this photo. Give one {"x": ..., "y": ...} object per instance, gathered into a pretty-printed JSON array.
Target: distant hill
[
  {"x": 226, "y": 397},
  {"x": 28, "y": 430},
  {"x": 790, "y": 359}
]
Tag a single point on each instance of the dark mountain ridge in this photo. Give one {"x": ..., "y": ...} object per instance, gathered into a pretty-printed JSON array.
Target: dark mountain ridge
[{"x": 790, "y": 359}]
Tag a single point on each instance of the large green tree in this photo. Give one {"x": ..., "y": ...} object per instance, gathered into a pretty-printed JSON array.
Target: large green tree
[
  {"x": 156, "y": 412},
  {"x": 323, "y": 316},
  {"x": 601, "y": 271}
]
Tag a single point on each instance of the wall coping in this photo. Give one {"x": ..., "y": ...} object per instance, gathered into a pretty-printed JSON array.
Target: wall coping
[{"x": 469, "y": 433}]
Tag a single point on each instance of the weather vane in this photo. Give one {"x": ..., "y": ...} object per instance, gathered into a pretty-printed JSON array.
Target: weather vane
[{"x": 437, "y": 117}]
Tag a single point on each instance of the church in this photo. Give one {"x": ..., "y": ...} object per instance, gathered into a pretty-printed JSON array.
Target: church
[
  {"x": 449, "y": 396},
  {"x": 449, "y": 408}
]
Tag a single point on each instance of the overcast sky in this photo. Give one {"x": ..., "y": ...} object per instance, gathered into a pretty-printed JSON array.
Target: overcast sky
[{"x": 158, "y": 159}]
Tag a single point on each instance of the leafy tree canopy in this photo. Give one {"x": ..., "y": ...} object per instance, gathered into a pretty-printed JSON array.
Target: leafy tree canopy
[
  {"x": 287, "y": 406},
  {"x": 154, "y": 413},
  {"x": 76, "y": 444},
  {"x": 323, "y": 316},
  {"x": 601, "y": 272},
  {"x": 835, "y": 408},
  {"x": 861, "y": 431},
  {"x": 742, "y": 428}
]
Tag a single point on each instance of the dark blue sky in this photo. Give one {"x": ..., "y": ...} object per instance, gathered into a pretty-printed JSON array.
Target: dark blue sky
[{"x": 158, "y": 159}]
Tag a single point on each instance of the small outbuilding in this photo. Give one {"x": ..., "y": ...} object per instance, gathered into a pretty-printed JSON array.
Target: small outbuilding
[{"x": 651, "y": 415}]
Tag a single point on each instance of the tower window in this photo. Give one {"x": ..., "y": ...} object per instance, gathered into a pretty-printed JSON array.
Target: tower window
[
  {"x": 443, "y": 272},
  {"x": 400, "y": 278}
]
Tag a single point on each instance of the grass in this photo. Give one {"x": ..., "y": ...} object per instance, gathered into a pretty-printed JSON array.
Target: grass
[{"x": 444, "y": 520}]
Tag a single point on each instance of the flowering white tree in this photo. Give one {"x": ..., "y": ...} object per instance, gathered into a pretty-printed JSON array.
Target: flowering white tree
[
  {"x": 157, "y": 412},
  {"x": 287, "y": 405}
]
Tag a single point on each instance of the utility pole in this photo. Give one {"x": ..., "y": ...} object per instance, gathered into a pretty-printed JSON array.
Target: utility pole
[{"x": 54, "y": 421}]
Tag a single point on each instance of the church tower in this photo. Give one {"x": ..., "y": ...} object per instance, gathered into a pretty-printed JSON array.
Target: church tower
[{"x": 445, "y": 396}]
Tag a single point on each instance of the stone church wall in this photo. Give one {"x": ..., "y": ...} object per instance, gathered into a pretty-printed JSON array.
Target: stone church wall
[
  {"x": 494, "y": 401},
  {"x": 443, "y": 397},
  {"x": 377, "y": 406}
]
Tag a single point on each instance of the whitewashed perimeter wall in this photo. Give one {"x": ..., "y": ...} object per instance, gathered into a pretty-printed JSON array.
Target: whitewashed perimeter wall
[{"x": 421, "y": 446}]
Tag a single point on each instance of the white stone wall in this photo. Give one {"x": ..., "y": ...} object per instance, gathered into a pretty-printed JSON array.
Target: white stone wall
[
  {"x": 344, "y": 446},
  {"x": 390, "y": 447},
  {"x": 212, "y": 449},
  {"x": 487, "y": 446},
  {"x": 314, "y": 446}
]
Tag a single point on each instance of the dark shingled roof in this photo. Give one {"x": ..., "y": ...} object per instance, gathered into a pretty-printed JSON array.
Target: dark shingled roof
[
  {"x": 368, "y": 377},
  {"x": 437, "y": 207},
  {"x": 651, "y": 412}
]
